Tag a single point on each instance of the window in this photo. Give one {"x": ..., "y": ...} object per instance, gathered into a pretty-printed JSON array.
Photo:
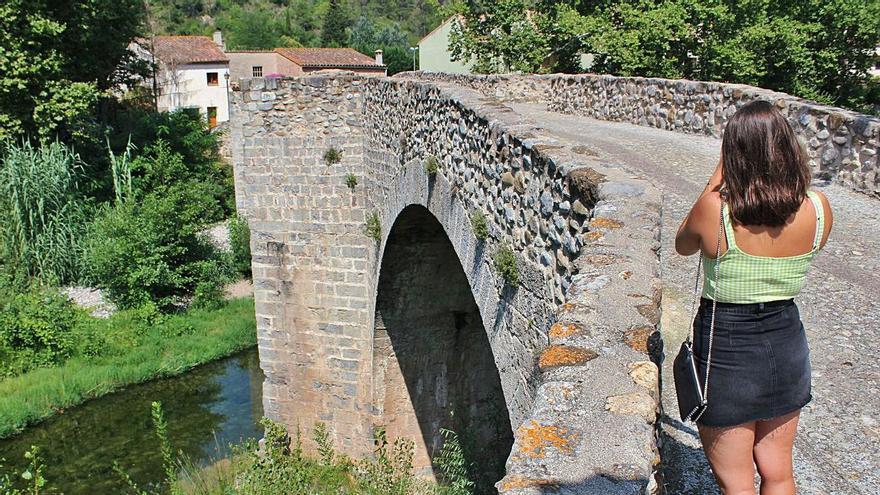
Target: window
[
  {"x": 258, "y": 71},
  {"x": 212, "y": 117},
  {"x": 213, "y": 80}
]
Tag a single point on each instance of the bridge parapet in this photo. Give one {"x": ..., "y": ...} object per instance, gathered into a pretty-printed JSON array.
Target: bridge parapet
[
  {"x": 842, "y": 145},
  {"x": 570, "y": 339}
]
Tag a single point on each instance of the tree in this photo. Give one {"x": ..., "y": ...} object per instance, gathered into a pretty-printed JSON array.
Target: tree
[
  {"x": 500, "y": 36},
  {"x": 55, "y": 59},
  {"x": 336, "y": 24},
  {"x": 394, "y": 43},
  {"x": 815, "y": 49},
  {"x": 253, "y": 28}
]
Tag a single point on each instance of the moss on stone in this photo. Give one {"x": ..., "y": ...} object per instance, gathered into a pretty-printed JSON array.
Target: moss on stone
[
  {"x": 432, "y": 165},
  {"x": 506, "y": 266},
  {"x": 479, "y": 225},
  {"x": 373, "y": 227},
  {"x": 332, "y": 156}
]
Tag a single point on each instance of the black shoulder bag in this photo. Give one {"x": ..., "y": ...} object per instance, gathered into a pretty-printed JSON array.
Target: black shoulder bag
[{"x": 693, "y": 399}]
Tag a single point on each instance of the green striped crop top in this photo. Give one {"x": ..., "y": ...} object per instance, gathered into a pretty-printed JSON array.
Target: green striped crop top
[{"x": 745, "y": 278}]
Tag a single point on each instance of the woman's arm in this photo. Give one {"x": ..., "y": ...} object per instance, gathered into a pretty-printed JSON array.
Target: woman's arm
[{"x": 689, "y": 237}]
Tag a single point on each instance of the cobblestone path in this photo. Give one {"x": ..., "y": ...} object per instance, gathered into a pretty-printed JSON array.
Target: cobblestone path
[{"x": 838, "y": 446}]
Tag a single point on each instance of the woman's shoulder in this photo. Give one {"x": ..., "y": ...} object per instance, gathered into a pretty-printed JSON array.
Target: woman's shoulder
[
  {"x": 819, "y": 194},
  {"x": 709, "y": 205},
  {"x": 827, "y": 214}
]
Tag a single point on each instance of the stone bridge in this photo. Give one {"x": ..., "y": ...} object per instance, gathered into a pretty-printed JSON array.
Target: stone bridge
[{"x": 439, "y": 252}]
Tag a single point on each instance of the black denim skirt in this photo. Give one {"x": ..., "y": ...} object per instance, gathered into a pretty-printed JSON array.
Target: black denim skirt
[{"x": 760, "y": 361}]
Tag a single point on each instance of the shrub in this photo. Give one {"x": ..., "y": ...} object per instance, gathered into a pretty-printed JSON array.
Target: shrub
[
  {"x": 149, "y": 252},
  {"x": 32, "y": 476},
  {"x": 176, "y": 146},
  {"x": 240, "y": 245},
  {"x": 505, "y": 265},
  {"x": 161, "y": 168},
  {"x": 208, "y": 292},
  {"x": 351, "y": 181},
  {"x": 479, "y": 225},
  {"x": 373, "y": 227},
  {"x": 43, "y": 212},
  {"x": 332, "y": 156},
  {"x": 432, "y": 165},
  {"x": 36, "y": 330}
]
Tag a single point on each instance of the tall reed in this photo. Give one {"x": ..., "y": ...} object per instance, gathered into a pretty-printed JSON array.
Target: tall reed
[
  {"x": 43, "y": 214},
  {"x": 120, "y": 168}
]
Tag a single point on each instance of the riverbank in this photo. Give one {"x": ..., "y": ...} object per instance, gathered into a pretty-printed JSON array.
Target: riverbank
[{"x": 134, "y": 349}]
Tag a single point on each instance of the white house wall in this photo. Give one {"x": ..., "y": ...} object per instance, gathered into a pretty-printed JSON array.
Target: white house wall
[{"x": 186, "y": 86}]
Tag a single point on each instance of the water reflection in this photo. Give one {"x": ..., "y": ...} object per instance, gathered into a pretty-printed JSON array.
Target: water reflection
[{"x": 206, "y": 409}]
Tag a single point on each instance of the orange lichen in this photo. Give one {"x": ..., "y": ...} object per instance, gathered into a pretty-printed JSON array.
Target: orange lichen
[
  {"x": 564, "y": 355},
  {"x": 626, "y": 275},
  {"x": 559, "y": 330},
  {"x": 637, "y": 337},
  {"x": 601, "y": 259},
  {"x": 605, "y": 223},
  {"x": 535, "y": 439},
  {"x": 513, "y": 482},
  {"x": 566, "y": 308},
  {"x": 593, "y": 236}
]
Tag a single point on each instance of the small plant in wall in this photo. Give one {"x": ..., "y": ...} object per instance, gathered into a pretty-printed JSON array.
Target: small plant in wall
[
  {"x": 373, "y": 227},
  {"x": 505, "y": 265},
  {"x": 351, "y": 181},
  {"x": 479, "y": 225},
  {"x": 432, "y": 165},
  {"x": 332, "y": 156}
]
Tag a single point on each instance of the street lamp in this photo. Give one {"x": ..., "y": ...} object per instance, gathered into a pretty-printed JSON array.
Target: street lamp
[
  {"x": 228, "y": 102},
  {"x": 413, "y": 50}
]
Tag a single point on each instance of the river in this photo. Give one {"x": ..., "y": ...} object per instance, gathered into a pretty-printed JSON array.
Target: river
[{"x": 207, "y": 409}]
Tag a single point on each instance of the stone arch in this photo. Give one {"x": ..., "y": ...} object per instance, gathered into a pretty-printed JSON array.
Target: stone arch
[
  {"x": 433, "y": 366},
  {"x": 427, "y": 233}
]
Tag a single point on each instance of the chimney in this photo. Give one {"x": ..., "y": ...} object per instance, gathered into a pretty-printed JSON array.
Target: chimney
[
  {"x": 218, "y": 40},
  {"x": 379, "y": 57}
]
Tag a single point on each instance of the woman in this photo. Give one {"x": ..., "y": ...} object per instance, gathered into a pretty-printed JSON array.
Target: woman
[{"x": 759, "y": 377}]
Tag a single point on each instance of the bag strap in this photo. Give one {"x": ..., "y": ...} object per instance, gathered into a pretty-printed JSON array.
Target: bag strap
[{"x": 714, "y": 300}]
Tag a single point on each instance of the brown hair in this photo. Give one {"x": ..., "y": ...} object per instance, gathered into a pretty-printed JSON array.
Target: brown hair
[{"x": 764, "y": 167}]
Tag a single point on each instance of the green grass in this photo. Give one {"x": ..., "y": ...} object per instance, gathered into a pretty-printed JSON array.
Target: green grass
[
  {"x": 133, "y": 350},
  {"x": 282, "y": 467}
]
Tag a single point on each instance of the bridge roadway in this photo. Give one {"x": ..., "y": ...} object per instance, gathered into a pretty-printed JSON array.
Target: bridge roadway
[{"x": 838, "y": 446}]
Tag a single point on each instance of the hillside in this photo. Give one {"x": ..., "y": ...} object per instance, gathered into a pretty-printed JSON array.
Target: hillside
[{"x": 364, "y": 25}]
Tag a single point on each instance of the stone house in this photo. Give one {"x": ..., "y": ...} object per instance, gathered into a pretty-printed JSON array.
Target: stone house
[
  {"x": 244, "y": 64},
  {"x": 191, "y": 72}
]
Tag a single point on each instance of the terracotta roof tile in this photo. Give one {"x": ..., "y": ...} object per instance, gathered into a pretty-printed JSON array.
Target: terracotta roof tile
[
  {"x": 328, "y": 57},
  {"x": 187, "y": 50}
]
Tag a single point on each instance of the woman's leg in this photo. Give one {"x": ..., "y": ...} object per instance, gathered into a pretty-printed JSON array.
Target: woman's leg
[
  {"x": 729, "y": 451},
  {"x": 773, "y": 444}
]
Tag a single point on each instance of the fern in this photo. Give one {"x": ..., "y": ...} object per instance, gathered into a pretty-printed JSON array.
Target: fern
[{"x": 453, "y": 466}]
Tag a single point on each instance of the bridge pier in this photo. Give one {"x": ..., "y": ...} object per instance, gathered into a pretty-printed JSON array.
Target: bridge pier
[{"x": 410, "y": 328}]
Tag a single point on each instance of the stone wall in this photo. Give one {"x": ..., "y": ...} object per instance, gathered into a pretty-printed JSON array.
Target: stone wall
[
  {"x": 842, "y": 145},
  {"x": 569, "y": 341},
  {"x": 311, "y": 261}
]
